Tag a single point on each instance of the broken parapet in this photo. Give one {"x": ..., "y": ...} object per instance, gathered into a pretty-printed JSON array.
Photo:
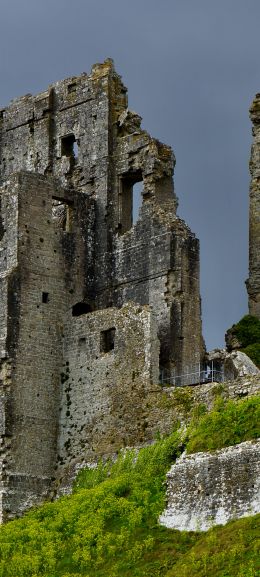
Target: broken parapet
[{"x": 207, "y": 489}]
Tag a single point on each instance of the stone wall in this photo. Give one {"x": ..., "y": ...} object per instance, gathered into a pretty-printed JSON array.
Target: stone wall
[
  {"x": 39, "y": 288},
  {"x": 110, "y": 368},
  {"x": 206, "y": 489},
  {"x": 253, "y": 283},
  {"x": 165, "y": 406},
  {"x": 157, "y": 262}
]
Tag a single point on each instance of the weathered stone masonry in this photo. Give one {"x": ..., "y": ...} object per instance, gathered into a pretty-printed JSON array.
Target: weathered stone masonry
[
  {"x": 206, "y": 489},
  {"x": 253, "y": 283},
  {"x": 109, "y": 409},
  {"x": 91, "y": 304}
]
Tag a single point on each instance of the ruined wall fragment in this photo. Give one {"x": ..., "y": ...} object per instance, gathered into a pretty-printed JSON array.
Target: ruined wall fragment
[
  {"x": 253, "y": 282},
  {"x": 206, "y": 489},
  {"x": 153, "y": 264},
  {"x": 39, "y": 289}
]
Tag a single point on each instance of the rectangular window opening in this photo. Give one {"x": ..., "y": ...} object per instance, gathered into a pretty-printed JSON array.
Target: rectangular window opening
[
  {"x": 107, "y": 340},
  {"x": 69, "y": 147},
  {"x": 72, "y": 87},
  {"x": 82, "y": 343},
  {"x": 45, "y": 297}
]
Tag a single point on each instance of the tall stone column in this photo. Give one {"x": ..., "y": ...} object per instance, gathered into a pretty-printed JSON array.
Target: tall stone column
[{"x": 253, "y": 282}]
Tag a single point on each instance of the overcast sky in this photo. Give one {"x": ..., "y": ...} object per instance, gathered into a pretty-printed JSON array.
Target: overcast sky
[{"x": 192, "y": 70}]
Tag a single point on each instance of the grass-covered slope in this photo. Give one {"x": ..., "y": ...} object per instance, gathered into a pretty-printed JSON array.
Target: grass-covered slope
[{"x": 108, "y": 526}]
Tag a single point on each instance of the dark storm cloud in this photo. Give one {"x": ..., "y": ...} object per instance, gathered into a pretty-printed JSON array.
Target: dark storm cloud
[{"x": 192, "y": 69}]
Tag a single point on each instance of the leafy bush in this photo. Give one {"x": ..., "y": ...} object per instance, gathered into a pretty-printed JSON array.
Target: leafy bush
[
  {"x": 253, "y": 351},
  {"x": 247, "y": 332},
  {"x": 107, "y": 522}
]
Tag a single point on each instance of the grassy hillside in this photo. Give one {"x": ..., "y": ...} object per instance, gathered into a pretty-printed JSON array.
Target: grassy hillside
[{"x": 108, "y": 526}]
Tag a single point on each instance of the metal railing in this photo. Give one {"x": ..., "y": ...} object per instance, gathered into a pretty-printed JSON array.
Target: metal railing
[{"x": 195, "y": 375}]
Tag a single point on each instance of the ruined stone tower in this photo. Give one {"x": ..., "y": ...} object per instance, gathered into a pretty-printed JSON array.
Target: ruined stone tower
[
  {"x": 91, "y": 304},
  {"x": 253, "y": 283}
]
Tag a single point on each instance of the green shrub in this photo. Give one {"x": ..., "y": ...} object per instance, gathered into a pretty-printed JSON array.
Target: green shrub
[
  {"x": 230, "y": 422},
  {"x": 253, "y": 351},
  {"x": 247, "y": 330}
]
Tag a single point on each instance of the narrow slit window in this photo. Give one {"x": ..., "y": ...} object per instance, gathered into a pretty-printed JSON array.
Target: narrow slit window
[{"x": 107, "y": 340}]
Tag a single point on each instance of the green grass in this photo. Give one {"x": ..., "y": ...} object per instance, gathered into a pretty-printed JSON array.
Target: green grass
[
  {"x": 223, "y": 552},
  {"x": 108, "y": 526}
]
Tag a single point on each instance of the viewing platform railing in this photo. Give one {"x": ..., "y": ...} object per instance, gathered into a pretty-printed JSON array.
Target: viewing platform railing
[{"x": 195, "y": 375}]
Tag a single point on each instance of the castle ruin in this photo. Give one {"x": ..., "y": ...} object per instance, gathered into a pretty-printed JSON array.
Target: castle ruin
[{"x": 94, "y": 302}]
